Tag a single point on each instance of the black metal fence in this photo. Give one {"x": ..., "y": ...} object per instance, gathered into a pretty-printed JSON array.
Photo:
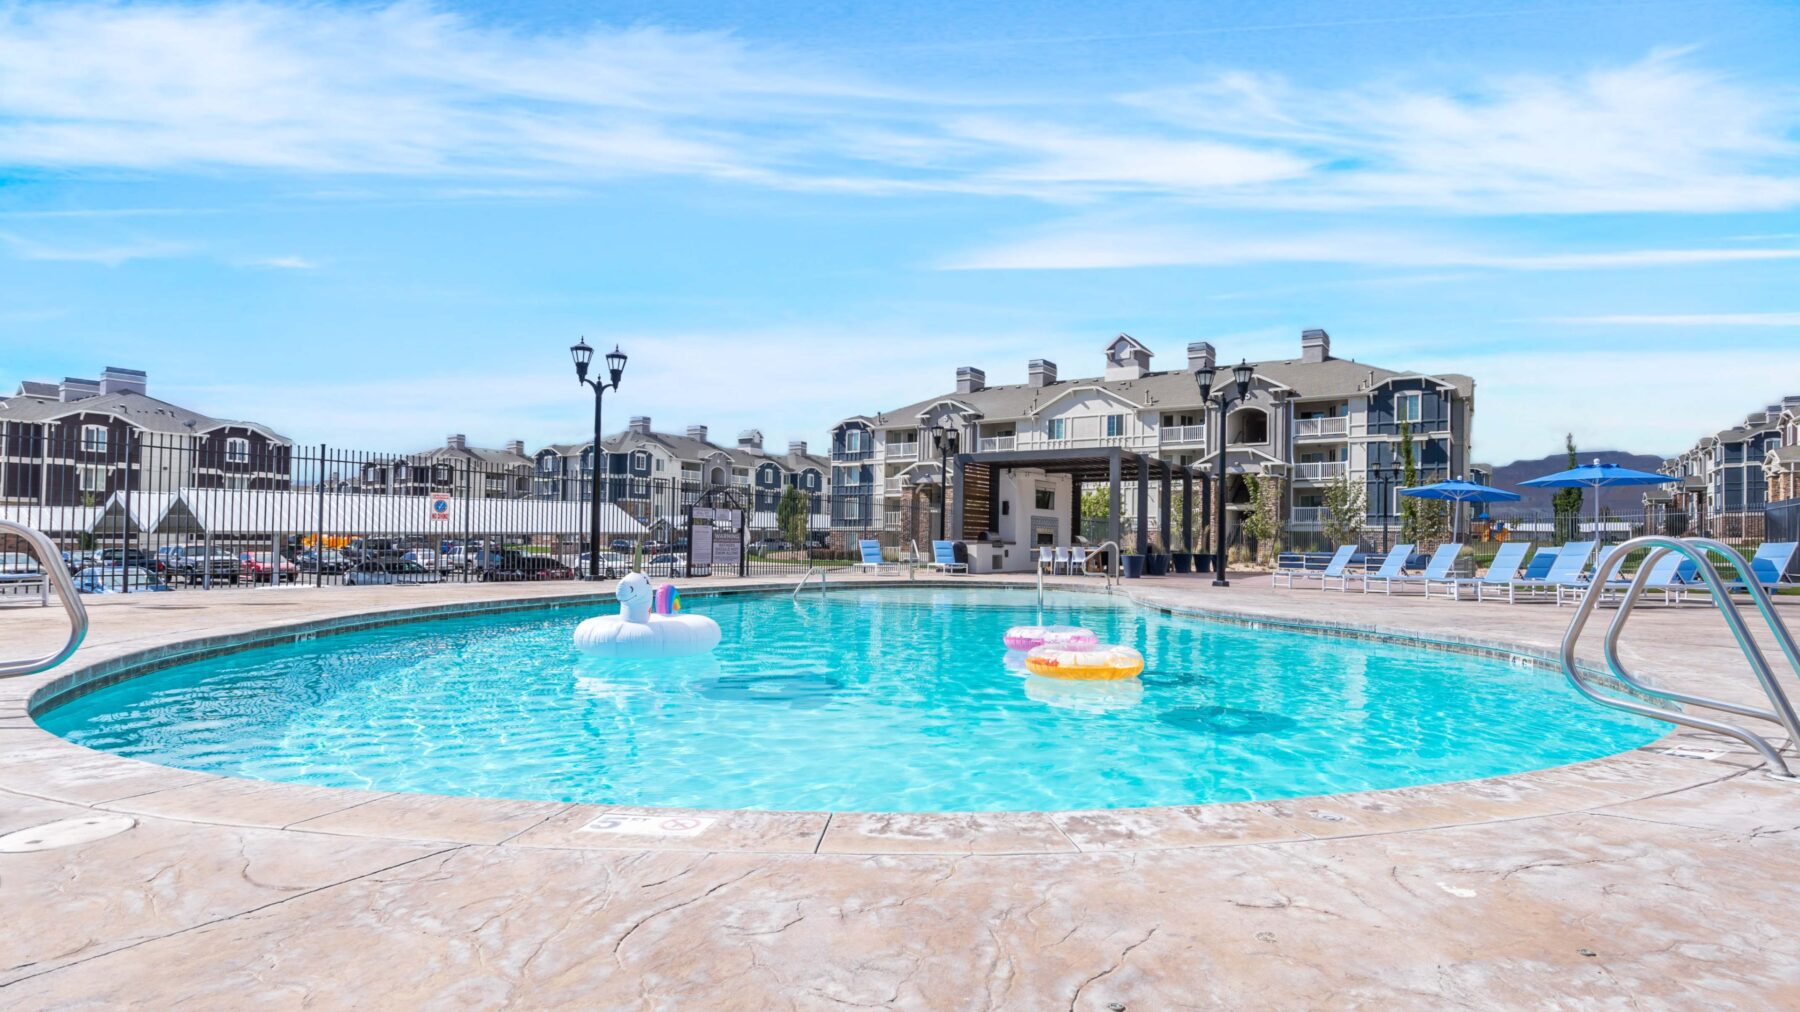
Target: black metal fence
[{"x": 132, "y": 510}]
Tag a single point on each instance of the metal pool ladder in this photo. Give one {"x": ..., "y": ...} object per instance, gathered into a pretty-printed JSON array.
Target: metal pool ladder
[
  {"x": 58, "y": 575},
  {"x": 810, "y": 570},
  {"x": 1697, "y": 550}
]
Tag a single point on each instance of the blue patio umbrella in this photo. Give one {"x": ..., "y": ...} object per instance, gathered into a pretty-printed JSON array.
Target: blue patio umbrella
[
  {"x": 1597, "y": 476},
  {"x": 1460, "y": 491}
]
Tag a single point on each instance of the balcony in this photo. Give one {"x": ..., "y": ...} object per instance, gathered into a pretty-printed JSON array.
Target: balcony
[
  {"x": 996, "y": 444},
  {"x": 891, "y": 519},
  {"x": 1322, "y": 428},
  {"x": 903, "y": 451},
  {"x": 896, "y": 486},
  {"x": 1183, "y": 435},
  {"x": 1320, "y": 470},
  {"x": 1307, "y": 516}
]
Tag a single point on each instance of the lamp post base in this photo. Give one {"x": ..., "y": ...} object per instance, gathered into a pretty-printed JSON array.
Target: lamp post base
[{"x": 1221, "y": 583}]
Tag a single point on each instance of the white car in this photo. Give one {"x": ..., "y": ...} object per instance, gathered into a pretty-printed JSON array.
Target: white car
[
  {"x": 612, "y": 565},
  {"x": 665, "y": 565}
]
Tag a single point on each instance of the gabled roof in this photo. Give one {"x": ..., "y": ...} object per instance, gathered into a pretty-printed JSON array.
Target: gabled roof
[{"x": 145, "y": 412}]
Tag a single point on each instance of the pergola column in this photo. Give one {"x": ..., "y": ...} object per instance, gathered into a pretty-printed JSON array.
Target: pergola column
[
  {"x": 1168, "y": 534},
  {"x": 1143, "y": 503},
  {"x": 1112, "y": 499},
  {"x": 1187, "y": 508}
]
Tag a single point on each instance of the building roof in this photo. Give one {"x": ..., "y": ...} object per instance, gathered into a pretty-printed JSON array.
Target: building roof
[
  {"x": 1786, "y": 454},
  {"x": 479, "y": 454},
  {"x": 145, "y": 412},
  {"x": 683, "y": 447},
  {"x": 1334, "y": 377}
]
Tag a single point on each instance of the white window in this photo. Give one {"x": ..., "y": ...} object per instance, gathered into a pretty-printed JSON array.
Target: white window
[
  {"x": 659, "y": 463},
  {"x": 1115, "y": 425},
  {"x": 1407, "y": 406},
  {"x": 547, "y": 463},
  {"x": 640, "y": 460},
  {"x": 237, "y": 450},
  {"x": 853, "y": 441},
  {"x": 93, "y": 438},
  {"x": 237, "y": 482},
  {"x": 401, "y": 472},
  {"x": 1053, "y": 429},
  {"x": 852, "y": 509},
  {"x": 93, "y": 479},
  {"x": 495, "y": 484}
]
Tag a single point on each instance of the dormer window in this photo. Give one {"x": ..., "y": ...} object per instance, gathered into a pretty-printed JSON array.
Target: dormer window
[
  {"x": 237, "y": 450},
  {"x": 640, "y": 460}
]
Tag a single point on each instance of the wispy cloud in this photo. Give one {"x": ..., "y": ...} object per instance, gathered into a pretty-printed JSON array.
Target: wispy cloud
[
  {"x": 282, "y": 263},
  {"x": 415, "y": 90},
  {"x": 110, "y": 254},
  {"x": 1684, "y": 320},
  {"x": 1077, "y": 247}
]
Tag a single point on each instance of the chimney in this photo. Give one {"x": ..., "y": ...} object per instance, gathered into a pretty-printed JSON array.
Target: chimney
[
  {"x": 457, "y": 441},
  {"x": 970, "y": 379},
  {"x": 797, "y": 447},
  {"x": 750, "y": 439},
  {"x": 517, "y": 446},
  {"x": 640, "y": 424},
  {"x": 114, "y": 380},
  {"x": 75, "y": 389},
  {"x": 1315, "y": 346},
  {"x": 1042, "y": 372},
  {"x": 697, "y": 432},
  {"x": 1201, "y": 356}
]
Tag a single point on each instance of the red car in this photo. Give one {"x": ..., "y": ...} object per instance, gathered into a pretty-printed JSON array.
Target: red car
[{"x": 261, "y": 566}]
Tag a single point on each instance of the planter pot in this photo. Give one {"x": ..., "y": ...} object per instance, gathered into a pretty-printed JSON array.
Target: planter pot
[
  {"x": 1156, "y": 565},
  {"x": 1184, "y": 563},
  {"x": 1203, "y": 562},
  {"x": 1134, "y": 566}
]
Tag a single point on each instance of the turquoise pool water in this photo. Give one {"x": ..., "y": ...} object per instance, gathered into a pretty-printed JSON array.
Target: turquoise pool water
[{"x": 888, "y": 700}]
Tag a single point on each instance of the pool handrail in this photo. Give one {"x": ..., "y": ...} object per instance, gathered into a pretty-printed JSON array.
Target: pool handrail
[
  {"x": 1697, "y": 551},
  {"x": 810, "y": 570},
  {"x": 57, "y": 572}
]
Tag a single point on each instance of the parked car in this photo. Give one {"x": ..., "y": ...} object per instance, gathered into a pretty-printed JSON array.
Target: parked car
[
  {"x": 195, "y": 563},
  {"x": 767, "y": 546},
  {"x": 328, "y": 561},
  {"x": 428, "y": 557},
  {"x": 262, "y": 567},
  {"x": 612, "y": 565},
  {"x": 381, "y": 573},
  {"x": 137, "y": 557},
  {"x": 666, "y": 564},
  {"x": 361, "y": 550},
  {"x": 19, "y": 569},
  {"x": 100, "y": 579},
  {"x": 472, "y": 556}
]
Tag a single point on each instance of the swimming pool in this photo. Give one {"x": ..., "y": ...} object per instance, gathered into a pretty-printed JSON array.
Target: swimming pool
[{"x": 878, "y": 700}]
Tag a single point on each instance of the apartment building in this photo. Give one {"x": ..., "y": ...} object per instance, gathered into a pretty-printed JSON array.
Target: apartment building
[
  {"x": 1725, "y": 476},
  {"x": 79, "y": 441},
  {"x": 1029, "y": 448},
  {"x": 647, "y": 471},
  {"x": 474, "y": 471},
  {"x": 1781, "y": 464}
]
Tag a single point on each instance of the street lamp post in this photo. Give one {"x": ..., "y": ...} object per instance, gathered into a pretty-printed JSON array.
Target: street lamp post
[
  {"x": 945, "y": 438},
  {"x": 1203, "y": 377},
  {"x": 615, "y": 368}
]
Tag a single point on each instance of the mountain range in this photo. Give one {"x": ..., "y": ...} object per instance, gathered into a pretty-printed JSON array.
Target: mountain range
[{"x": 1624, "y": 499}]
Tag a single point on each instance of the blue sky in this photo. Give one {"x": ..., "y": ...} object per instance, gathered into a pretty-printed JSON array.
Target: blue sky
[{"x": 375, "y": 224}]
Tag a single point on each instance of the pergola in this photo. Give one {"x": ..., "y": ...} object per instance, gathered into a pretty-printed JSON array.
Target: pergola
[{"x": 977, "y": 511}]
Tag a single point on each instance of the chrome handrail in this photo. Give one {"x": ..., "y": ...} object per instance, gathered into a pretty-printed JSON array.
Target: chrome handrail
[
  {"x": 1112, "y": 579},
  {"x": 56, "y": 572},
  {"x": 912, "y": 561},
  {"x": 810, "y": 570},
  {"x": 1695, "y": 550}
]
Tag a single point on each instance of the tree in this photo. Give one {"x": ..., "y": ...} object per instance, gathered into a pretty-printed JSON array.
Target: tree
[
  {"x": 1422, "y": 521},
  {"x": 1096, "y": 504},
  {"x": 790, "y": 516},
  {"x": 1346, "y": 510},
  {"x": 1262, "y": 522},
  {"x": 1567, "y": 501}
]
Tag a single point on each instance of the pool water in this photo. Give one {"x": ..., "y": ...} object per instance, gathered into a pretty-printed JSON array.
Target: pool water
[{"x": 880, "y": 700}]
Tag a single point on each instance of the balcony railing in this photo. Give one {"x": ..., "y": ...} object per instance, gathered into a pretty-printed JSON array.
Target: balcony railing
[
  {"x": 903, "y": 451},
  {"x": 1307, "y": 516},
  {"x": 1314, "y": 428},
  {"x": 996, "y": 444},
  {"x": 1320, "y": 470},
  {"x": 1183, "y": 435},
  {"x": 896, "y": 486},
  {"x": 890, "y": 519}
]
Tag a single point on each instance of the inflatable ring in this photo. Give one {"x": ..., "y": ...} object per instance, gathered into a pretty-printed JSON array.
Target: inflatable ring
[
  {"x": 1104, "y": 664},
  {"x": 1069, "y": 637}
]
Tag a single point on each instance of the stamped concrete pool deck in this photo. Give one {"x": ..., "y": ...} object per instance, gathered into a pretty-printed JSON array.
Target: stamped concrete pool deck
[{"x": 1667, "y": 876}]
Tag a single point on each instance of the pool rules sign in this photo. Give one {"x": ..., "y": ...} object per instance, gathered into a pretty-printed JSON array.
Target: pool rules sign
[{"x": 715, "y": 538}]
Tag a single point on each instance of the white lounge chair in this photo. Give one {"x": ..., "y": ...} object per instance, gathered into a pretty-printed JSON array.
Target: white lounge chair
[
  {"x": 1768, "y": 566},
  {"x": 1668, "y": 576},
  {"x": 1392, "y": 566},
  {"x": 943, "y": 558},
  {"x": 1436, "y": 570},
  {"x": 1335, "y": 568},
  {"x": 1501, "y": 572},
  {"x": 1567, "y": 573}
]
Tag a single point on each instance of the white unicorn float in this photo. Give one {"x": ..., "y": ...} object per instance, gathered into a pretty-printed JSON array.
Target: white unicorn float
[{"x": 648, "y": 626}]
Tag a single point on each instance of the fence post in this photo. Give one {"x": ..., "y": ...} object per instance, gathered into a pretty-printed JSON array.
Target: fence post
[{"x": 319, "y": 519}]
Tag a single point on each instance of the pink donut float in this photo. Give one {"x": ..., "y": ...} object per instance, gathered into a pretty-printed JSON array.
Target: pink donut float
[{"x": 1067, "y": 637}]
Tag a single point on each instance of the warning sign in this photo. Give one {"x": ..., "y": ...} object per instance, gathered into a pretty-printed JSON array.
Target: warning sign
[{"x": 440, "y": 507}]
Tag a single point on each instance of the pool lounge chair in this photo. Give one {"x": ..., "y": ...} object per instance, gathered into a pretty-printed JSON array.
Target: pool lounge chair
[
  {"x": 1568, "y": 573},
  {"x": 1668, "y": 576},
  {"x": 1769, "y": 566},
  {"x": 1501, "y": 572},
  {"x": 943, "y": 558},
  {"x": 1334, "y": 568},
  {"x": 1392, "y": 566},
  {"x": 1437, "y": 569},
  {"x": 872, "y": 561}
]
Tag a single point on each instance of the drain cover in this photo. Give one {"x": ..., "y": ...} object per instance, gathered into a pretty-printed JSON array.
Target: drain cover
[{"x": 66, "y": 833}]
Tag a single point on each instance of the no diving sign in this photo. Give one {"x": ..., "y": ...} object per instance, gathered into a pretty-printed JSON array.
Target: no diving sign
[{"x": 440, "y": 507}]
